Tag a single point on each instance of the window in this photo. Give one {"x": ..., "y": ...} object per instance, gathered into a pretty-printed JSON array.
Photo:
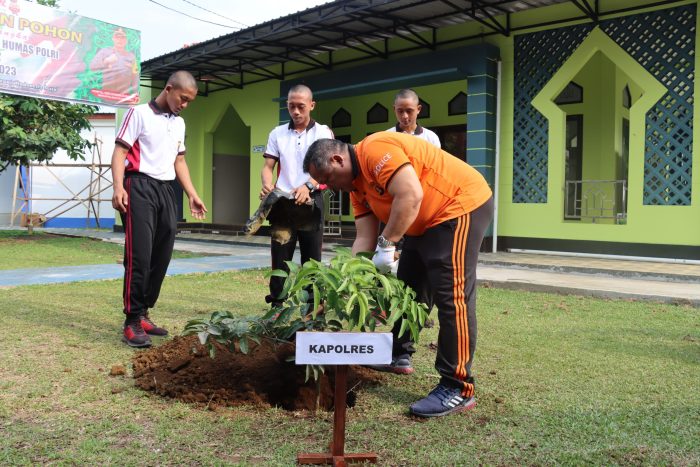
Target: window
[
  {"x": 458, "y": 104},
  {"x": 572, "y": 94},
  {"x": 626, "y": 98},
  {"x": 425, "y": 109},
  {"x": 341, "y": 118},
  {"x": 378, "y": 114}
]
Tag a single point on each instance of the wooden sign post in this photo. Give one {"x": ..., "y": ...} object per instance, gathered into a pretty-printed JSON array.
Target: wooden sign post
[{"x": 341, "y": 349}]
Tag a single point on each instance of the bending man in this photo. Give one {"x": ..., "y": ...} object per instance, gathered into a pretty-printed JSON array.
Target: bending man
[{"x": 443, "y": 206}]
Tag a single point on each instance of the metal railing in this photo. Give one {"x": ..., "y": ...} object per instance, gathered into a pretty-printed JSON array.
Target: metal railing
[
  {"x": 332, "y": 225},
  {"x": 596, "y": 199}
]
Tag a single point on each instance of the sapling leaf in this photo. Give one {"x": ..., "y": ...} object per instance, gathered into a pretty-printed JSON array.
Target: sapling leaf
[
  {"x": 351, "y": 303},
  {"x": 414, "y": 330},
  {"x": 404, "y": 326},
  {"x": 343, "y": 284},
  {"x": 243, "y": 345},
  {"x": 317, "y": 300},
  {"x": 364, "y": 307},
  {"x": 386, "y": 285},
  {"x": 203, "y": 337},
  {"x": 277, "y": 273}
]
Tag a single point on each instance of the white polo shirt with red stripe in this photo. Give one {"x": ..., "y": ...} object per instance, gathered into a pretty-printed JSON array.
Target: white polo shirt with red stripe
[
  {"x": 288, "y": 146},
  {"x": 154, "y": 139}
]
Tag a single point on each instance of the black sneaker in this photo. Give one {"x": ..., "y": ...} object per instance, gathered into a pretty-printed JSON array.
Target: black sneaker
[
  {"x": 441, "y": 401},
  {"x": 152, "y": 328},
  {"x": 135, "y": 336},
  {"x": 399, "y": 366}
]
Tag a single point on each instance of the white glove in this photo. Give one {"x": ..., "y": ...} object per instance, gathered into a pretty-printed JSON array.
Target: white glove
[{"x": 384, "y": 259}]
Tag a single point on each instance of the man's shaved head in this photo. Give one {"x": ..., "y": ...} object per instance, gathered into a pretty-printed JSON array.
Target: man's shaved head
[
  {"x": 182, "y": 80},
  {"x": 407, "y": 94},
  {"x": 301, "y": 89}
]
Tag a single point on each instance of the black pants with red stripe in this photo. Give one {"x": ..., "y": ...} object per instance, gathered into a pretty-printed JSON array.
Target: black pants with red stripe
[
  {"x": 150, "y": 225},
  {"x": 440, "y": 266}
]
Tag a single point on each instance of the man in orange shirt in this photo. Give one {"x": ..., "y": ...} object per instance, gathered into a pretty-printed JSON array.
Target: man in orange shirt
[{"x": 443, "y": 206}]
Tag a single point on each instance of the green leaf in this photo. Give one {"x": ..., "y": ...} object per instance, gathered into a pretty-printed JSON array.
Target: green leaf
[
  {"x": 364, "y": 307},
  {"x": 415, "y": 332},
  {"x": 351, "y": 303},
  {"x": 243, "y": 345},
  {"x": 420, "y": 311},
  {"x": 277, "y": 273},
  {"x": 343, "y": 284},
  {"x": 386, "y": 284},
  {"x": 404, "y": 326},
  {"x": 317, "y": 300},
  {"x": 203, "y": 337}
]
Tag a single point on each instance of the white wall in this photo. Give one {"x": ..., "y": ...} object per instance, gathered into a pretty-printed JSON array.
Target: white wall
[{"x": 74, "y": 181}]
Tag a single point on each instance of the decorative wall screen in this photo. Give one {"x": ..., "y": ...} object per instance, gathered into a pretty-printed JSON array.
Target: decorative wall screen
[
  {"x": 538, "y": 56},
  {"x": 663, "y": 42}
]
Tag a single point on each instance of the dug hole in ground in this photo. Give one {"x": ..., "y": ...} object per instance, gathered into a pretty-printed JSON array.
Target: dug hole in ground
[{"x": 182, "y": 369}]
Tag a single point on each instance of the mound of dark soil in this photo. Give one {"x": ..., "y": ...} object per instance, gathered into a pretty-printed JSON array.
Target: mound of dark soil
[{"x": 182, "y": 369}]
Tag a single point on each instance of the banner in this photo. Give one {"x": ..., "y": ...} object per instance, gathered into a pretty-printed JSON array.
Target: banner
[{"x": 51, "y": 54}]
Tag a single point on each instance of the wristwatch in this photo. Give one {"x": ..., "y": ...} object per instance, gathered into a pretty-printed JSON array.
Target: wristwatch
[
  {"x": 384, "y": 243},
  {"x": 310, "y": 186}
]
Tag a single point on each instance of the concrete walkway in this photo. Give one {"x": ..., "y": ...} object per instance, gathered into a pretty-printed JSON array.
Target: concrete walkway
[{"x": 612, "y": 278}]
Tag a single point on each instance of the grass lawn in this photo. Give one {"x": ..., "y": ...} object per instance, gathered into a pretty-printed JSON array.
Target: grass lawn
[
  {"x": 18, "y": 249},
  {"x": 560, "y": 380}
]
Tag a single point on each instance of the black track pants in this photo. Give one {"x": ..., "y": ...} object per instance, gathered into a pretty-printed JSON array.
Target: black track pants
[
  {"x": 309, "y": 247},
  {"x": 309, "y": 235},
  {"x": 150, "y": 225},
  {"x": 440, "y": 266}
]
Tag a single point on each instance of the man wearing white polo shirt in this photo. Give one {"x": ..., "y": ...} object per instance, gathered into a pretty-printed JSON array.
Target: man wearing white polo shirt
[
  {"x": 149, "y": 153},
  {"x": 302, "y": 219},
  {"x": 406, "y": 108}
]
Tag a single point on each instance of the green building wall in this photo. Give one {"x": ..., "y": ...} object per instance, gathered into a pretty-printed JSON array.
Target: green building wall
[{"x": 599, "y": 66}]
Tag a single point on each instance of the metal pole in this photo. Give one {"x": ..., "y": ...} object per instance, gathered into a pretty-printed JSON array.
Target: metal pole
[{"x": 497, "y": 162}]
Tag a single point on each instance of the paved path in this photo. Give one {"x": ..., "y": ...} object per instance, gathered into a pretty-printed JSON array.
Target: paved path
[
  {"x": 255, "y": 258},
  {"x": 612, "y": 278}
]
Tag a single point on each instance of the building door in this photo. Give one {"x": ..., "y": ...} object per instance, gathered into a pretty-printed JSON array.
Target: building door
[
  {"x": 574, "y": 166},
  {"x": 231, "y": 189}
]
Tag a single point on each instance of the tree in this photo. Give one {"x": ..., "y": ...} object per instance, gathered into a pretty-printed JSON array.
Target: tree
[
  {"x": 33, "y": 129},
  {"x": 349, "y": 294}
]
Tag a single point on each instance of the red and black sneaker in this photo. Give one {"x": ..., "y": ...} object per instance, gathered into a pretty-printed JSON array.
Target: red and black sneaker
[
  {"x": 152, "y": 328},
  {"x": 135, "y": 336}
]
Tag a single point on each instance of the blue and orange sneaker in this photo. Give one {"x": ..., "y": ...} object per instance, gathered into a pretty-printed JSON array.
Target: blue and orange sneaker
[
  {"x": 135, "y": 336},
  {"x": 152, "y": 328},
  {"x": 441, "y": 401}
]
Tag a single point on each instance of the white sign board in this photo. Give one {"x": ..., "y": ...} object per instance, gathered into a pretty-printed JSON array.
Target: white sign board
[{"x": 343, "y": 348}]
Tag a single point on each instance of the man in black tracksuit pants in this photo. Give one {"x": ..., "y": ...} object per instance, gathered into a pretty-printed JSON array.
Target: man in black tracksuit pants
[
  {"x": 149, "y": 153},
  {"x": 443, "y": 207}
]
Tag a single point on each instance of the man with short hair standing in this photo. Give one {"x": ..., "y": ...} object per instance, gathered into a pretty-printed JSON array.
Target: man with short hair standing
[
  {"x": 443, "y": 206},
  {"x": 286, "y": 146},
  {"x": 406, "y": 108},
  {"x": 149, "y": 153}
]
